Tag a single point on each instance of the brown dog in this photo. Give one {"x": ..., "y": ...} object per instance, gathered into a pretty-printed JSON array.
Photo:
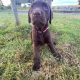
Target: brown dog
[{"x": 39, "y": 15}]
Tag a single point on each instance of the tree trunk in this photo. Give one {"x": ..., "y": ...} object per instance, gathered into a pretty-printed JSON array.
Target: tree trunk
[
  {"x": 1, "y": 2},
  {"x": 79, "y": 2}
]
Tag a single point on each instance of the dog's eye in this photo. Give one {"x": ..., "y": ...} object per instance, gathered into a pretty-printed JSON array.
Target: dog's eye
[{"x": 45, "y": 9}]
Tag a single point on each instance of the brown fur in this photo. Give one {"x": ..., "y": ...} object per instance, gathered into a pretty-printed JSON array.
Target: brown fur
[{"x": 39, "y": 23}]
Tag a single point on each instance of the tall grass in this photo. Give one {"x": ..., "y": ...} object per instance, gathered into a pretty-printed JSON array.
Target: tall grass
[{"x": 16, "y": 51}]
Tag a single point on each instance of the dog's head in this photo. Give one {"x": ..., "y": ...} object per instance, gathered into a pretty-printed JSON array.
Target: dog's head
[
  {"x": 39, "y": 14},
  {"x": 38, "y": 17}
]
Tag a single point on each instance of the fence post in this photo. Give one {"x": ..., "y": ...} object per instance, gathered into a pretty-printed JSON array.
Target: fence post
[{"x": 14, "y": 8}]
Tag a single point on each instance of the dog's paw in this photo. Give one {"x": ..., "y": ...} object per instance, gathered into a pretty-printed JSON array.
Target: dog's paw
[
  {"x": 54, "y": 43},
  {"x": 36, "y": 67},
  {"x": 59, "y": 57}
]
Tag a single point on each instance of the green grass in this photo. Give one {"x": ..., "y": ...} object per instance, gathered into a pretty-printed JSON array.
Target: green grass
[{"x": 16, "y": 50}]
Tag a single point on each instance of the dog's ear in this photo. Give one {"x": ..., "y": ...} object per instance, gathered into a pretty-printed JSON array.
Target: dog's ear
[
  {"x": 29, "y": 19},
  {"x": 51, "y": 16}
]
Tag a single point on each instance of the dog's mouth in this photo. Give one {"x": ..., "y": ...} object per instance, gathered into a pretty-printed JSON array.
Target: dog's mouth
[{"x": 38, "y": 20}]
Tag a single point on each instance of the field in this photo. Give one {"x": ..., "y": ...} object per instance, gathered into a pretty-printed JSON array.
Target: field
[{"x": 16, "y": 50}]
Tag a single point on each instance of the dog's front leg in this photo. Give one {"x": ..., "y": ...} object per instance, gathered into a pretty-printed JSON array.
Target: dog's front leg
[{"x": 36, "y": 57}]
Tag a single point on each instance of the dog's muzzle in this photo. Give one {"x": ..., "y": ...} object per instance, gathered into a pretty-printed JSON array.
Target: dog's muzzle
[{"x": 38, "y": 17}]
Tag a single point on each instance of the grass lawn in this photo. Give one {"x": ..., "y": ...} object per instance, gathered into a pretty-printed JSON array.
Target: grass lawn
[{"x": 16, "y": 50}]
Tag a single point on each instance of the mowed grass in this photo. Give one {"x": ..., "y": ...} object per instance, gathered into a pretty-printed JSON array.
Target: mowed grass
[{"x": 16, "y": 50}]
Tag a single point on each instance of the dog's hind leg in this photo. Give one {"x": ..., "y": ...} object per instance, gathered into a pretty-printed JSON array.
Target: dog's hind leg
[
  {"x": 54, "y": 51},
  {"x": 52, "y": 46}
]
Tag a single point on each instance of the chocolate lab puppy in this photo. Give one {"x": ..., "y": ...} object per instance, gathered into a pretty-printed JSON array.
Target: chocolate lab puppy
[{"x": 39, "y": 16}]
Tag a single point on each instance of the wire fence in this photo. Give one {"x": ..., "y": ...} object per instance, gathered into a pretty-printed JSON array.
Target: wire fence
[{"x": 67, "y": 8}]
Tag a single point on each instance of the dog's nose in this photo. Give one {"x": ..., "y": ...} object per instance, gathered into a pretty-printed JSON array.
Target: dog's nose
[{"x": 37, "y": 13}]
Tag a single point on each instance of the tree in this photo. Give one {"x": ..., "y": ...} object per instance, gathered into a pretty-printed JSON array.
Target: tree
[
  {"x": 1, "y": 5},
  {"x": 1, "y": 2},
  {"x": 79, "y": 2}
]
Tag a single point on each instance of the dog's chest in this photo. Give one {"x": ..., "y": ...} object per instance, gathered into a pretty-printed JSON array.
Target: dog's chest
[{"x": 40, "y": 37}]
